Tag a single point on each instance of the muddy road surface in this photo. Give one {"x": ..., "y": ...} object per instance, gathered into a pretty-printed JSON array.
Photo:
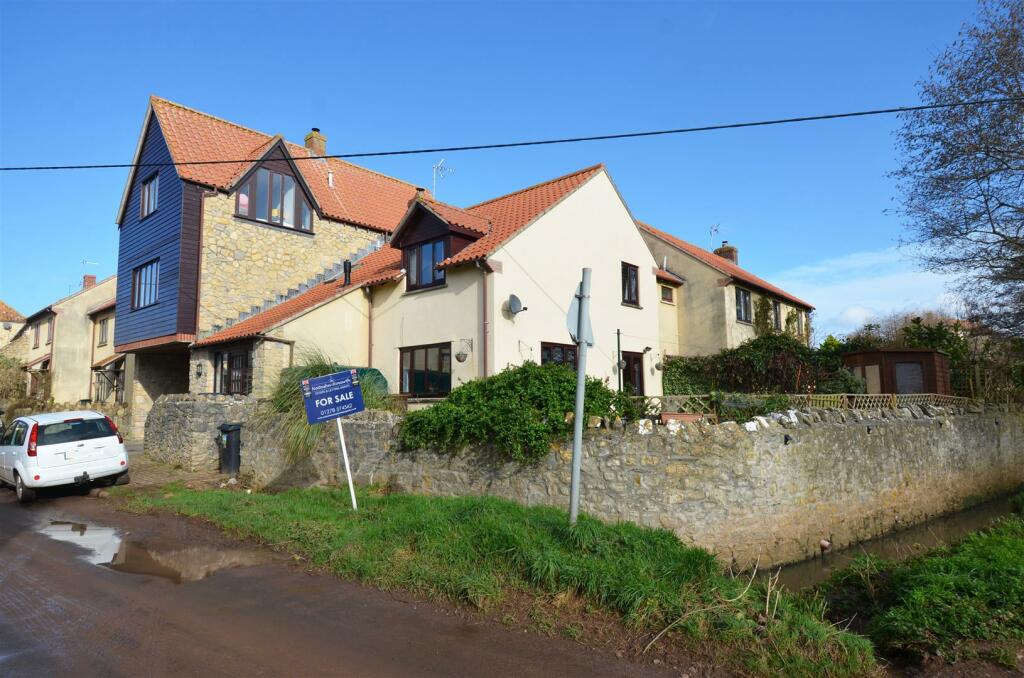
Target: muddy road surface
[{"x": 88, "y": 591}]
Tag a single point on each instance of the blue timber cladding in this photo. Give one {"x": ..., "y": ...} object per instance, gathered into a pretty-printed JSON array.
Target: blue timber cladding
[{"x": 142, "y": 240}]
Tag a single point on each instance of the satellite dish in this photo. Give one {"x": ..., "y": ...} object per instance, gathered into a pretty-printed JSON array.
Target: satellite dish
[{"x": 515, "y": 306}]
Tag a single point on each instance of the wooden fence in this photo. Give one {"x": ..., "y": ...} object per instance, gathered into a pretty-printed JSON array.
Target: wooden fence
[{"x": 704, "y": 404}]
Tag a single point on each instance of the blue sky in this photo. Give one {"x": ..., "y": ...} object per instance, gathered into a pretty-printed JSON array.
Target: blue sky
[{"x": 806, "y": 204}]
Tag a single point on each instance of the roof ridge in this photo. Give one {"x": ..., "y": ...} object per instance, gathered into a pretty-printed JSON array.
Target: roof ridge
[{"x": 599, "y": 165}]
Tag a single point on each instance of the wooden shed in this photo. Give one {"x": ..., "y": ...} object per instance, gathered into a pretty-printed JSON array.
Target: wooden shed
[{"x": 901, "y": 370}]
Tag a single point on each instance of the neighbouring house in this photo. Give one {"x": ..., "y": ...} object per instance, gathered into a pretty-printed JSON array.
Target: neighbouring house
[
  {"x": 10, "y": 323},
  {"x": 56, "y": 343},
  {"x": 461, "y": 293},
  {"x": 901, "y": 370},
  {"x": 108, "y": 366},
  {"x": 709, "y": 302},
  {"x": 203, "y": 246}
]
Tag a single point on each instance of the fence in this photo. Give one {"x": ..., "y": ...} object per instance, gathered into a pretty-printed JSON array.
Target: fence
[{"x": 705, "y": 404}]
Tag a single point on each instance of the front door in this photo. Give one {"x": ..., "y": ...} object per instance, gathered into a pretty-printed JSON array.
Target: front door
[{"x": 633, "y": 373}]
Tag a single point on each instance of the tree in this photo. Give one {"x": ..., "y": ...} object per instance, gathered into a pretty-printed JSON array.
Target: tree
[{"x": 962, "y": 173}]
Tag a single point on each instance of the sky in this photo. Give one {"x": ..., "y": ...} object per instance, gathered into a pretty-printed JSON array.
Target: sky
[{"x": 810, "y": 206}]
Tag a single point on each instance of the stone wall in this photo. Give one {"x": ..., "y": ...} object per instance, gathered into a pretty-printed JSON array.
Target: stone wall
[
  {"x": 245, "y": 262},
  {"x": 770, "y": 490},
  {"x": 181, "y": 429}
]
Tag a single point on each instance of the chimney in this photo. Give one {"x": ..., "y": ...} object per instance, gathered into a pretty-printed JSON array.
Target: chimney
[
  {"x": 727, "y": 251},
  {"x": 348, "y": 272},
  {"x": 316, "y": 142},
  {"x": 88, "y": 281}
]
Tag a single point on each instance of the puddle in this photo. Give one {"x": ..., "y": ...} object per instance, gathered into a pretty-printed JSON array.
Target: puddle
[
  {"x": 106, "y": 547},
  {"x": 897, "y": 545}
]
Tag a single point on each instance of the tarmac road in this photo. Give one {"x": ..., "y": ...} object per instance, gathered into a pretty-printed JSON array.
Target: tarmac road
[{"x": 165, "y": 596}]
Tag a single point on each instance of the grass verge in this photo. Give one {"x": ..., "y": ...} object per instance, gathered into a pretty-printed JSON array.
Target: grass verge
[
  {"x": 477, "y": 550},
  {"x": 947, "y": 603}
]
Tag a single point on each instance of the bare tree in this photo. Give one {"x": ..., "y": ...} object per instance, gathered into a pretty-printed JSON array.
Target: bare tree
[{"x": 962, "y": 177}]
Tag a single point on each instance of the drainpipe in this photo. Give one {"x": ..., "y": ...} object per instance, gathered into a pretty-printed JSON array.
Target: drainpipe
[
  {"x": 369, "y": 326},
  {"x": 484, "y": 323}
]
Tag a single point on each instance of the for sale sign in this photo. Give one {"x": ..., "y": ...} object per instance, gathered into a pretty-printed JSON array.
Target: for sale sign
[{"x": 332, "y": 396}]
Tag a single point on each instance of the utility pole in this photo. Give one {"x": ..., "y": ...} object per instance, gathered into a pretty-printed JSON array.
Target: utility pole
[
  {"x": 618, "y": 357},
  {"x": 582, "y": 332}
]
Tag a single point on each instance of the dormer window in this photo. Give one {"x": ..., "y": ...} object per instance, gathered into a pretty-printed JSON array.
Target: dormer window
[
  {"x": 421, "y": 262},
  {"x": 274, "y": 198},
  {"x": 148, "y": 197}
]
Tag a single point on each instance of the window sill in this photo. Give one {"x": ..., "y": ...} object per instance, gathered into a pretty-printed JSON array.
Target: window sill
[
  {"x": 143, "y": 308},
  {"x": 102, "y": 345},
  {"x": 668, "y": 303},
  {"x": 636, "y": 306},
  {"x": 419, "y": 290},
  {"x": 147, "y": 216},
  {"x": 260, "y": 222},
  {"x": 745, "y": 322},
  {"x": 409, "y": 398}
]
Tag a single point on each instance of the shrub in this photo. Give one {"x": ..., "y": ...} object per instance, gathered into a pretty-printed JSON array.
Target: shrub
[
  {"x": 12, "y": 379},
  {"x": 742, "y": 407},
  {"x": 519, "y": 411}
]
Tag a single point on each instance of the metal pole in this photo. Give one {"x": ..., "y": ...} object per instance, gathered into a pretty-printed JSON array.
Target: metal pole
[
  {"x": 348, "y": 471},
  {"x": 618, "y": 356},
  {"x": 581, "y": 384}
]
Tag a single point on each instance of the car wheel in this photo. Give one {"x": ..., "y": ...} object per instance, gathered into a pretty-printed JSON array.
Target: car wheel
[
  {"x": 25, "y": 494},
  {"x": 123, "y": 479}
]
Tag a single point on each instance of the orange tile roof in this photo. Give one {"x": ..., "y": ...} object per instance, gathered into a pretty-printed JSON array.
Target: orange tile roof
[
  {"x": 457, "y": 216},
  {"x": 669, "y": 277},
  {"x": 722, "y": 265},
  {"x": 380, "y": 266},
  {"x": 9, "y": 315},
  {"x": 511, "y": 213},
  {"x": 358, "y": 196}
]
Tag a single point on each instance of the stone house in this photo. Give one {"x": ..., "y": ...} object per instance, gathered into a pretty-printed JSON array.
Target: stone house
[
  {"x": 456, "y": 294},
  {"x": 10, "y": 323},
  {"x": 57, "y": 344},
  {"x": 708, "y": 303},
  {"x": 202, "y": 246}
]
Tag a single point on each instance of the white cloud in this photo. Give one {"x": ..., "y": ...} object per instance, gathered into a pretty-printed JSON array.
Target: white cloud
[{"x": 850, "y": 289}]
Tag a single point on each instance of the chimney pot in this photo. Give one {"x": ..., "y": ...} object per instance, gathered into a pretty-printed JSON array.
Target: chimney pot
[
  {"x": 348, "y": 272},
  {"x": 316, "y": 142},
  {"x": 727, "y": 251},
  {"x": 88, "y": 281}
]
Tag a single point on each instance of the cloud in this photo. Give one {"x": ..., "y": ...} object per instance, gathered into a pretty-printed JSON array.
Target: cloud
[{"x": 850, "y": 289}]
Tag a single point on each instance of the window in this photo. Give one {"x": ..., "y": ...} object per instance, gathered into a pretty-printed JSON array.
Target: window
[
  {"x": 232, "y": 372},
  {"x": 421, "y": 262},
  {"x": 668, "y": 294},
  {"x": 145, "y": 281},
  {"x": 777, "y": 315},
  {"x": 427, "y": 370},
  {"x": 744, "y": 310},
  {"x": 799, "y": 323},
  {"x": 560, "y": 354},
  {"x": 148, "y": 198},
  {"x": 274, "y": 198},
  {"x": 49, "y": 331},
  {"x": 35, "y": 335},
  {"x": 103, "y": 331},
  {"x": 630, "y": 284}
]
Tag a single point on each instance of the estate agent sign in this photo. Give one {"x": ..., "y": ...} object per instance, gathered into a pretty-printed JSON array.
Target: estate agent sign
[{"x": 334, "y": 396}]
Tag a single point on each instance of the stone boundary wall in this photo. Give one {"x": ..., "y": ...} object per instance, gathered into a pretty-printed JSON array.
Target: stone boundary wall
[
  {"x": 768, "y": 491},
  {"x": 181, "y": 429}
]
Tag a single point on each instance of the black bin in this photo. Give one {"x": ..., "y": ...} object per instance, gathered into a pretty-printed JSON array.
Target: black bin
[{"x": 230, "y": 442}]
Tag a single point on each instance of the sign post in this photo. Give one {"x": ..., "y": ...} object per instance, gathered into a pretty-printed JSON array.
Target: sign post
[
  {"x": 583, "y": 335},
  {"x": 334, "y": 396}
]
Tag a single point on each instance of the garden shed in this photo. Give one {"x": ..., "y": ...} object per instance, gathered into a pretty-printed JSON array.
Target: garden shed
[{"x": 901, "y": 370}]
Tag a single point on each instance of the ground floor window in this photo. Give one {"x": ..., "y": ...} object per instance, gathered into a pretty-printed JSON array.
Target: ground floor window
[
  {"x": 39, "y": 381},
  {"x": 108, "y": 384},
  {"x": 427, "y": 370},
  {"x": 232, "y": 371},
  {"x": 560, "y": 354},
  {"x": 633, "y": 373}
]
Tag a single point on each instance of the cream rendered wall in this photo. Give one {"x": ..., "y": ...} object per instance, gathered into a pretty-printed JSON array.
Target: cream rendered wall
[
  {"x": 669, "y": 322},
  {"x": 339, "y": 329},
  {"x": 436, "y": 315},
  {"x": 33, "y": 353},
  {"x": 739, "y": 332},
  {"x": 542, "y": 266},
  {"x": 100, "y": 352},
  {"x": 71, "y": 364}
]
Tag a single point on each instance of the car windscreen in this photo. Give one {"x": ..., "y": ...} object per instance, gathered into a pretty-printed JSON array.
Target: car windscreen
[{"x": 74, "y": 430}]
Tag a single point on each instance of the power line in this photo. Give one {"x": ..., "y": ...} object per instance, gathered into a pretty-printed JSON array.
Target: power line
[{"x": 549, "y": 142}]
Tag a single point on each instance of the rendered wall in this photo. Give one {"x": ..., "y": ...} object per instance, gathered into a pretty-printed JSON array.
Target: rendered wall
[{"x": 72, "y": 348}]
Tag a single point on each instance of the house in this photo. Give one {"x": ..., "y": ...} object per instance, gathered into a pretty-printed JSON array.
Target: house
[
  {"x": 461, "y": 293},
  {"x": 56, "y": 343},
  {"x": 709, "y": 303},
  {"x": 202, "y": 246},
  {"x": 10, "y": 323}
]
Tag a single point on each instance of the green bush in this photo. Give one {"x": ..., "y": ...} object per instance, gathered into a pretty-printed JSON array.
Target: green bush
[
  {"x": 12, "y": 379},
  {"x": 742, "y": 407},
  {"x": 519, "y": 411}
]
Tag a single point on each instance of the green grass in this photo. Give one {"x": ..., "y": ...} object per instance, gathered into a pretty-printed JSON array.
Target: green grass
[
  {"x": 474, "y": 550},
  {"x": 945, "y": 602}
]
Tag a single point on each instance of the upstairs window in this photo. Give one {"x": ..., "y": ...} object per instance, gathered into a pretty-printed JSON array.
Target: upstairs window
[
  {"x": 744, "y": 309},
  {"x": 148, "y": 198},
  {"x": 667, "y": 294},
  {"x": 35, "y": 335},
  {"x": 49, "y": 331},
  {"x": 145, "y": 283},
  {"x": 630, "y": 284},
  {"x": 274, "y": 198},
  {"x": 104, "y": 330},
  {"x": 421, "y": 262},
  {"x": 777, "y": 315}
]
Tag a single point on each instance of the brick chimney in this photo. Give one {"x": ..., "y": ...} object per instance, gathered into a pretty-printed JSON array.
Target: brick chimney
[
  {"x": 727, "y": 251},
  {"x": 88, "y": 281},
  {"x": 316, "y": 142}
]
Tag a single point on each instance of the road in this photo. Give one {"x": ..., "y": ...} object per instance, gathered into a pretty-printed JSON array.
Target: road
[{"x": 167, "y": 596}]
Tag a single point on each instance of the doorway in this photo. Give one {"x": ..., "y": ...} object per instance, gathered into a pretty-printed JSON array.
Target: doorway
[{"x": 633, "y": 373}]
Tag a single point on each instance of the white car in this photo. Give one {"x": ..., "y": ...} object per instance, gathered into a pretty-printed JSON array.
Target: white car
[{"x": 61, "y": 448}]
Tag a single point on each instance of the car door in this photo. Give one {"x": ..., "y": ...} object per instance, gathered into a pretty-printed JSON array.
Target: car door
[
  {"x": 10, "y": 448},
  {"x": 5, "y": 443}
]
